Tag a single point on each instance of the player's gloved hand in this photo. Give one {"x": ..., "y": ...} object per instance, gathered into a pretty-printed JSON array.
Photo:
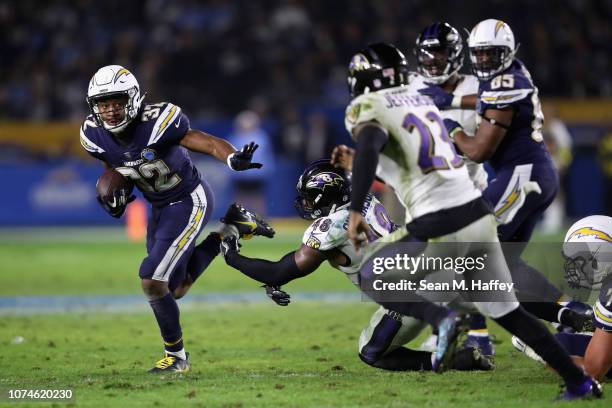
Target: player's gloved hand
[
  {"x": 117, "y": 205},
  {"x": 230, "y": 245},
  {"x": 452, "y": 127},
  {"x": 441, "y": 98},
  {"x": 241, "y": 160},
  {"x": 280, "y": 297}
]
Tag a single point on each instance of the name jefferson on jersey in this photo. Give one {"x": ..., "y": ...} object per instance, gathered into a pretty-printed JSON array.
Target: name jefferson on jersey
[
  {"x": 152, "y": 156},
  {"x": 419, "y": 160}
]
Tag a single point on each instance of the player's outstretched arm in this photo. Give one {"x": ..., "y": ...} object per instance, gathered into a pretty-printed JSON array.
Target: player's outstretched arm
[
  {"x": 293, "y": 265},
  {"x": 371, "y": 139},
  {"x": 445, "y": 100},
  {"x": 494, "y": 126},
  {"x": 202, "y": 142}
]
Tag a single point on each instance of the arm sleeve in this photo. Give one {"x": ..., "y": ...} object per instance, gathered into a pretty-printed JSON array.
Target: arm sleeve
[
  {"x": 264, "y": 271},
  {"x": 370, "y": 141}
]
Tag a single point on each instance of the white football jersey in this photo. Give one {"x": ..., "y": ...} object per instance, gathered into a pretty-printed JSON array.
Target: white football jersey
[
  {"x": 327, "y": 233},
  {"x": 467, "y": 85},
  {"x": 419, "y": 161}
]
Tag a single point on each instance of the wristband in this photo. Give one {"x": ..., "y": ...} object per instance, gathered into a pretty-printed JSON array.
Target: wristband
[
  {"x": 456, "y": 102},
  {"x": 229, "y": 161}
]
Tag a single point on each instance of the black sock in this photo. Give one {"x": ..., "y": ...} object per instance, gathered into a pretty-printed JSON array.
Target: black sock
[
  {"x": 382, "y": 337},
  {"x": 167, "y": 314},
  {"x": 531, "y": 284},
  {"x": 536, "y": 335},
  {"x": 478, "y": 322},
  {"x": 425, "y": 311},
  {"x": 203, "y": 254},
  {"x": 402, "y": 359},
  {"x": 548, "y": 311}
]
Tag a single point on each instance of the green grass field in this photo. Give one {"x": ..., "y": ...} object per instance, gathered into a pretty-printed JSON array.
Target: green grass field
[{"x": 243, "y": 354}]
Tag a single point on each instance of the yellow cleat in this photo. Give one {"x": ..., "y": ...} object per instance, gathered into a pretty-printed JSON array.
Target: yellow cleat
[
  {"x": 247, "y": 222},
  {"x": 171, "y": 363}
]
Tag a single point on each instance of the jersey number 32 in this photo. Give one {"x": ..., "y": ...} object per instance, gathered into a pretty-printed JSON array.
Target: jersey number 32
[{"x": 152, "y": 177}]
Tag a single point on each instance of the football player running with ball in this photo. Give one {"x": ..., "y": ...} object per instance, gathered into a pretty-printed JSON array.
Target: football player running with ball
[
  {"x": 405, "y": 134},
  {"x": 323, "y": 197},
  {"x": 148, "y": 143}
]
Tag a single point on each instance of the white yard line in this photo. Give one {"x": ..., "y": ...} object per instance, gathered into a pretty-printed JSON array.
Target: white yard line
[{"x": 34, "y": 305}]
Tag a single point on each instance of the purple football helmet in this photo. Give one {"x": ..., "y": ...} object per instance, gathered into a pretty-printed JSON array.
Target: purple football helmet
[{"x": 322, "y": 189}]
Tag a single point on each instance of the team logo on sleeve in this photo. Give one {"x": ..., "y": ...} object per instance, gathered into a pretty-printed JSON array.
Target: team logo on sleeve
[
  {"x": 324, "y": 227},
  {"x": 353, "y": 113},
  {"x": 313, "y": 242},
  {"x": 148, "y": 154}
]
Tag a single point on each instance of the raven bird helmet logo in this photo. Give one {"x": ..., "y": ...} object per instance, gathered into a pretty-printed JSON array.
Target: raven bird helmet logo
[
  {"x": 325, "y": 179},
  {"x": 359, "y": 62}
]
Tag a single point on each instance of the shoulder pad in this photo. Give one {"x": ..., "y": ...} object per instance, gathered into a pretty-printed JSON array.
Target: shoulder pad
[
  {"x": 327, "y": 232},
  {"x": 89, "y": 136},
  {"x": 168, "y": 118},
  {"x": 362, "y": 109},
  {"x": 505, "y": 89},
  {"x": 415, "y": 82}
]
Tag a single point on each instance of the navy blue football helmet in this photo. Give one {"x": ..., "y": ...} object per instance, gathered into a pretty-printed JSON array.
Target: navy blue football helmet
[
  {"x": 322, "y": 188},
  {"x": 439, "y": 52},
  {"x": 376, "y": 67}
]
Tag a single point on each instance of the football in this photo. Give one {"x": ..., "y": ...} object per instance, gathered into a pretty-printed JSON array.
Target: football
[{"x": 110, "y": 181}]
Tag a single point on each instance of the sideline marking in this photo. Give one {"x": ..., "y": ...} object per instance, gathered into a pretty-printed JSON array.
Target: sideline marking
[{"x": 33, "y": 305}]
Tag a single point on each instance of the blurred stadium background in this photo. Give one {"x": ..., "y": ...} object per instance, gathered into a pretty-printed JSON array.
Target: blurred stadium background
[{"x": 271, "y": 71}]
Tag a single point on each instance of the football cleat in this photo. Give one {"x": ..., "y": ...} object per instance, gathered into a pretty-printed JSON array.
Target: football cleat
[
  {"x": 470, "y": 359},
  {"x": 247, "y": 222},
  {"x": 449, "y": 330},
  {"x": 171, "y": 363},
  {"x": 525, "y": 349},
  {"x": 590, "y": 388},
  {"x": 482, "y": 342}
]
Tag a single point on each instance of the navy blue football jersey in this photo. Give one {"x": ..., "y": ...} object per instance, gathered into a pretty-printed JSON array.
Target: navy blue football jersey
[
  {"x": 603, "y": 306},
  {"x": 523, "y": 142},
  {"x": 152, "y": 156}
]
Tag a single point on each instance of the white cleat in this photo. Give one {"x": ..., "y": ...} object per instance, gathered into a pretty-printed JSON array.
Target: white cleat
[{"x": 525, "y": 349}]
